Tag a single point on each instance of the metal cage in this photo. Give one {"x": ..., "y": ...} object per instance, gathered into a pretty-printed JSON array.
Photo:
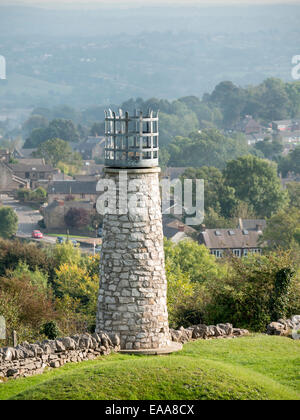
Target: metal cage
[{"x": 131, "y": 141}]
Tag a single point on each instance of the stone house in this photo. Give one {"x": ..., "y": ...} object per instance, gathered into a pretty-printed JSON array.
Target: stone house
[
  {"x": 92, "y": 148},
  {"x": 54, "y": 213},
  {"x": 9, "y": 182},
  {"x": 5, "y": 155},
  {"x": 239, "y": 242},
  {"x": 72, "y": 191},
  {"x": 33, "y": 170}
]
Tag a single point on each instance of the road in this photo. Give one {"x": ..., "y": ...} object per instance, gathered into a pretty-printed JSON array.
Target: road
[
  {"x": 28, "y": 221},
  {"x": 28, "y": 218}
]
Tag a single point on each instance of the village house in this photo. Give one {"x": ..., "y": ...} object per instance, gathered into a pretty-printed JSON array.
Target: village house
[
  {"x": 238, "y": 242},
  {"x": 248, "y": 125},
  {"x": 91, "y": 149},
  {"x": 283, "y": 125},
  {"x": 290, "y": 138},
  {"x": 176, "y": 231},
  {"x": 72, "y": 191},
  {"x": 54, "y": 214},
  {"x": 9, "y": 182},
  {"x": 5, "y": 155},
  {"x": 33, "y": 170}
]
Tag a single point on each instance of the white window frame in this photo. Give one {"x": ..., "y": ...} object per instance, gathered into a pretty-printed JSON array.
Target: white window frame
[{"x": 237, "y": 252}]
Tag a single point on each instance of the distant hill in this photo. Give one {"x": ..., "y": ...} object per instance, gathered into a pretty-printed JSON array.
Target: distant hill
[{"x": 107, "y": 55}]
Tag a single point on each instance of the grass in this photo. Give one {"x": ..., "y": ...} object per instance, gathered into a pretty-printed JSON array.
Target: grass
[{"x": 249, "y": 368}]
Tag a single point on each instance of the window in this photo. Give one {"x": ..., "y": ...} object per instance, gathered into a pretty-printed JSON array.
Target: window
[
  {"x": 218, "y": 233},
  {"x": 256, "y": 251},
  {"x": 237, "y": 252},
  {"x": 231, "y": 232},
  {"x": 217, "y": 253},
  {"x": 245, "y": 252},
  {"x": 245, "y": 232}
]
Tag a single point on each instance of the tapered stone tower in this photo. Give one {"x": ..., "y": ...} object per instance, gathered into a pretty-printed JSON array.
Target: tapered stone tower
[{"x": 132, "y": 299}]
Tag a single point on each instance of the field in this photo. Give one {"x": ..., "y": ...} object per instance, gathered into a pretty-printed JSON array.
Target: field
[{"x": 249, "y": 368}]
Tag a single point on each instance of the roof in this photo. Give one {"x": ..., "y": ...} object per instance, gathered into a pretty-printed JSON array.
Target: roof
[
  {"x": 222, "y": 239},
  {"x": 179, "y": 237},
  {"x": 173, "y": 173},
  {"x": 72, "y": 187},
  {"x": 290, "y": 134},
  {"x": 26, "y": 153},
  {"x": 172, "y": 226},
  {"x": 283, "y": 122},
  {"x": 33, "y": 161},
  {"x": 251, "y": 224},
  {"x": 20, "y": 167}
]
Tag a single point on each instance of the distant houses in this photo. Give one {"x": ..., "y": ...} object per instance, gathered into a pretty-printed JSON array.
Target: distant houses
[
  {"x": 237, "y": 242},
  {"x": 72, "y": 191}
]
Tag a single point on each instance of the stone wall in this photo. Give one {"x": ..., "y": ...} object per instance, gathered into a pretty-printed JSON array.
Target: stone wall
[
  {"x": 284, "y": 327},
  {"x": 205, "y": 332},
  {"x": 133, "y": 288},
  {"x": 30, "y": 359}
]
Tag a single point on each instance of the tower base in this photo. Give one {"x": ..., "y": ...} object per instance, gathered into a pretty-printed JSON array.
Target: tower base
[{"x": 172, "y": 348}]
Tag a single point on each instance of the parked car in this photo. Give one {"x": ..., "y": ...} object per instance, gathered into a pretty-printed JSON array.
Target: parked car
[
  {"x": 98, "y": 249},
  {"x": 60, "y": 240},
  {"x": 36, "y": 234}
]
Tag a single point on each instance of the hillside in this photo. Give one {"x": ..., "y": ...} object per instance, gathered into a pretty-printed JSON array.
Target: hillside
[{"x": 255, "y": 367}]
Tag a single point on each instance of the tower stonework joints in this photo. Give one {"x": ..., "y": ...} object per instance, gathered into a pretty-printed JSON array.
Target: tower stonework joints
[{"x": 132, "y": 300}]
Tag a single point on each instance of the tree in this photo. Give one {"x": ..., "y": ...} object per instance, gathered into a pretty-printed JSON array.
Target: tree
[
  {"x": 34, "y": 122},
  {"x": 194, "y": 260},
  {"x": 255, "y": 182},
  {"x": 217, "y": 195},
  {"x": 57, "y": 150},
  {"x": 57, "y": 128},
  {"x": 293, "y": 189},
  {"x": 206, "y": 148},
  {"x": 291, "y": 162},
  {"x": 77, "y": 217},
  {"x": 8, "y": 222},
  {"x": 282, "y": 228}
]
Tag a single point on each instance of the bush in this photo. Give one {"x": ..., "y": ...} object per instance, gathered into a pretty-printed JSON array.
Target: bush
[
  {"x": 50, "y": 330},
  {"x": 8, "y": 222},
  {"x": 257, "y": 291}
]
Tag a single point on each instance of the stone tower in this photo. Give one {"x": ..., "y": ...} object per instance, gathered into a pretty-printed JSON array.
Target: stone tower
[{"x": 133, "y": 287}]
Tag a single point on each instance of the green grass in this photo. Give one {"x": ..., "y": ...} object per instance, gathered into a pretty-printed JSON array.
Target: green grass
[{"x": 255, "y": 367}]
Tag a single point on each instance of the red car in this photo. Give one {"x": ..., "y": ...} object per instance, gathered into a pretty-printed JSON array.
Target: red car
[{"x": 36, "y": 234}]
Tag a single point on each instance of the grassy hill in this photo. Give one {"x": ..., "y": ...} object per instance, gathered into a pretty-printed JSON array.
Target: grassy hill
[{"x": 255, "y": 367}]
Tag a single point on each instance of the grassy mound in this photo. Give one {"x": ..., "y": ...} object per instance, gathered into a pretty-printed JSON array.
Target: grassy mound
[{"x": 255, "y": 367}]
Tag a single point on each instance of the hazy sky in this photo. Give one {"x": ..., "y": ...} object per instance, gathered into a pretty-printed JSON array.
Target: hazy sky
[{"x": 143, "y": 2}]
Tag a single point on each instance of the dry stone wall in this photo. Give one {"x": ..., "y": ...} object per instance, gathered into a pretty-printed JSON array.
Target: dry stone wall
[{"x": 29, "y": 359}]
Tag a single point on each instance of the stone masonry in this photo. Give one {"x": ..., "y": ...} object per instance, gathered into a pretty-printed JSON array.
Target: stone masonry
[{"x": 133, "y": 286}]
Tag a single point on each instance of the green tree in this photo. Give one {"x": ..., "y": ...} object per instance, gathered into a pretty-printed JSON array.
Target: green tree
[
  {"x": 8, "y": 222},
  {"x": 194, "y": 260},
  {"x": 255, "y": 182},
  {"x": 282, "y": 228},
  {"x": 56, "y": 150}
]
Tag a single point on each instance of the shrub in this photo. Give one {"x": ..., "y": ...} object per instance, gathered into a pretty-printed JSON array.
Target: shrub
[
  {"x": 8, "y": 222},
  {"x": 50, "y": 330}
]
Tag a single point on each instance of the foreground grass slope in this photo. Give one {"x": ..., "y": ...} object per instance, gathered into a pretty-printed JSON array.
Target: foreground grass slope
[{"x": 256, "y": 367}]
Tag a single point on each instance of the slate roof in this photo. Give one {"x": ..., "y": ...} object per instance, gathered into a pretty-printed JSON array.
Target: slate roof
[
  {"x": 20, "y": 167},
  {"x": 72, "y": 187},
  {"x": 225, "y": 240},
  {"x": 251, "y": 224}
]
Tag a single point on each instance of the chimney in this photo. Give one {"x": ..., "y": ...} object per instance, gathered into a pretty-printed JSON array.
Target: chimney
[
  {"x": 259, "y": 228},
  {"x": 241, "y": 226},
  {"x": 181, "y": 228}
]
